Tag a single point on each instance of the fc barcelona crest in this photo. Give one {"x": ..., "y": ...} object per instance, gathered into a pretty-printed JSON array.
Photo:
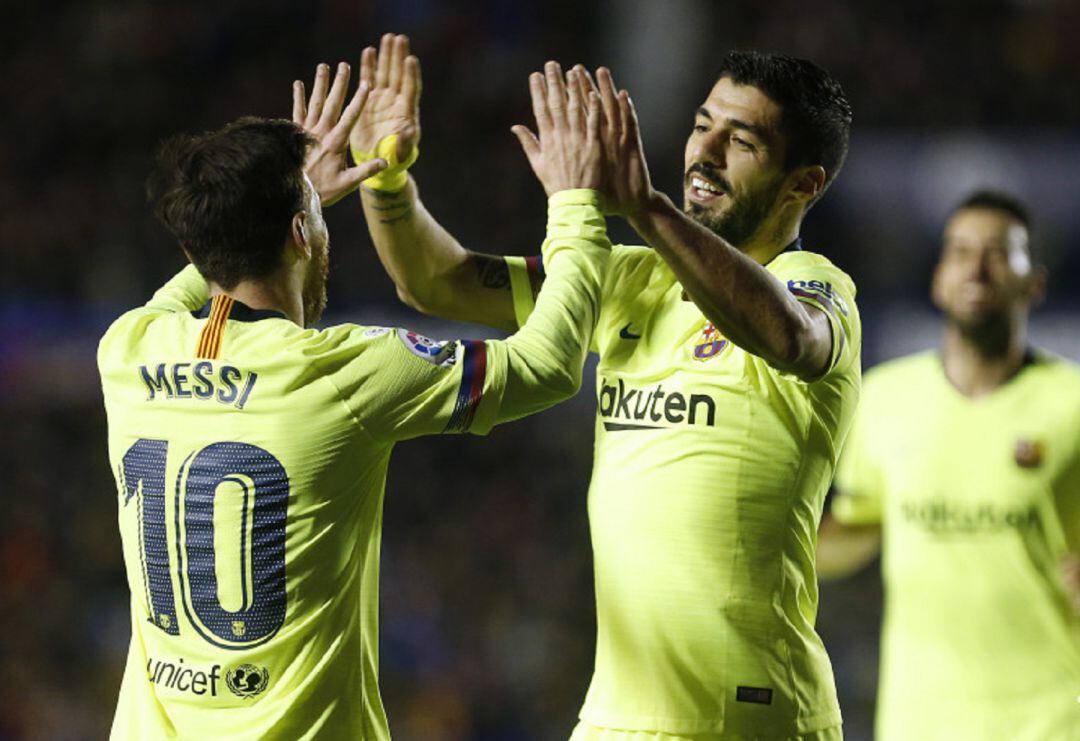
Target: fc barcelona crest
[{"x": 709, "y": 344}]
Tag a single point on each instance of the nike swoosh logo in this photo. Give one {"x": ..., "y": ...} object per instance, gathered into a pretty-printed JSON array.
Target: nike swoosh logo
[{"x": 627, "y": 335}]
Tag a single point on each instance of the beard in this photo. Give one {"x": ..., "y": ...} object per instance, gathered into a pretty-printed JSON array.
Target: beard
[
  {"x": 741, "y": 221},
  {"x": 314, "y": 297},
  {"x": 990, "y": 331}
]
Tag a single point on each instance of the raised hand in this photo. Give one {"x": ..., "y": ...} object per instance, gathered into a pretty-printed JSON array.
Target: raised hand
[
  {"x": 566, "y": 151},
  {"x": 393, "y": 106},
  {"x": 627, "y": 189},
  {"x": 323, "y": 118}
]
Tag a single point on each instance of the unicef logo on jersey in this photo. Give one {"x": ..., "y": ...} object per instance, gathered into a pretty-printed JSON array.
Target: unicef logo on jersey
[{"x": 247, "y": 680}]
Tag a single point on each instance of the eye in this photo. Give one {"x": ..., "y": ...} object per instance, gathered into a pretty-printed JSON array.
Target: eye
[
  {"x": 743, "y": 143},
  {"x": 700, "y": 127}
]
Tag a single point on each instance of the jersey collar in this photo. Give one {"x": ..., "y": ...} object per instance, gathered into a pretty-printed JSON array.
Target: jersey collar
[{"x": 240, "y": 312}]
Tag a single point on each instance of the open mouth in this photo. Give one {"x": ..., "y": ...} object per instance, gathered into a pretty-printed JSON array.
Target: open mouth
[{"x": 704, "y": 191}]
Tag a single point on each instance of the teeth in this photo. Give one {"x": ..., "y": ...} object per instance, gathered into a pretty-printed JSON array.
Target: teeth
[{"x": 703, "y": 185}]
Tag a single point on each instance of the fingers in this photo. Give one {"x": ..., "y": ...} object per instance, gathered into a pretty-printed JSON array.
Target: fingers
[
  {"x": 609, "y": 99},
  {"x": 575, "y": 105},
  {"x": 529, "y": 143},
  {"x": 340, "y": 133},
  {"x": 318, "y": 94},
  {"x": 364, "y": 170},
  {"x": 556, "y": 92},
  {"x": 628, "y": 118},
  {"x": 592, "y": 118},
  {"x": 336, "y": 99},
  {"x": 399, "y": 50},
  {"x": 367, "y": 66},
  {"x": 382, "y": 67},
  {"x": 299, "y": 105},
  {"x": 410, "y": 85},
  {"x": 538, "y": 93}
]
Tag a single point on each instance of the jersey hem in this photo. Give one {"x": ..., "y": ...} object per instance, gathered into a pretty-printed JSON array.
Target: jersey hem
[{"x": 666, "y": 724}]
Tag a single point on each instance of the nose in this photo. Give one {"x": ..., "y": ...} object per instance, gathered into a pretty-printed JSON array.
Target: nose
[{"x": 709, "y": 148}]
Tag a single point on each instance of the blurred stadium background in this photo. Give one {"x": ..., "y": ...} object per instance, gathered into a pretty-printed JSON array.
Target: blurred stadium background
[{"x": 487, "y": 612}]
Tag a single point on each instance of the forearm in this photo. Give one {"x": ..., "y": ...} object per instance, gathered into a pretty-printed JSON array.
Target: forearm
[
  {"x": 544, "y": 359},
  {"x": 433, "y": 273},
  {"x": 845, "y": 550},
  {"x": 747, "y": 305}
]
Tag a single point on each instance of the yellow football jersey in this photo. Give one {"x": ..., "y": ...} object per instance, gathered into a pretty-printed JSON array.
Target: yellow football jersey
[
  {"x": 710, "y": 472},
  {"x": 250, "y": 456},
  {"x": 979, "y": 500}
]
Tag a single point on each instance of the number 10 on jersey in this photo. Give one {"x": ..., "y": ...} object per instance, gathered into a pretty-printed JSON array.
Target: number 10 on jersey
[{"x": 241, "y": 484}]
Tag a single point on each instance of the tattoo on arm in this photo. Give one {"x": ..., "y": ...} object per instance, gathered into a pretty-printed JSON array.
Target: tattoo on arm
[
  {"x": 492, "y": 271},
  {"x": 391, "y": 207}
]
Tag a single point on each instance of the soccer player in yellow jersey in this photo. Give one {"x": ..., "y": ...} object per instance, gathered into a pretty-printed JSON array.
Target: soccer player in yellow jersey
[
  {"x": 965, "y": 463},
  {"x": 728, "y": 376},
  {"x": 251, "y": 449}
]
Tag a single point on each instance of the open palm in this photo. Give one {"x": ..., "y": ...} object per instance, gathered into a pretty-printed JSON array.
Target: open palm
[{"x": 393, "y": 104}]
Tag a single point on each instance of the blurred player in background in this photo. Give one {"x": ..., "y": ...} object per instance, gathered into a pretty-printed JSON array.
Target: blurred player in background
[
  {"x": 251, "y": 450},
  {"x": 969, "y": 459},
  {"x": 728, "y": 376}
]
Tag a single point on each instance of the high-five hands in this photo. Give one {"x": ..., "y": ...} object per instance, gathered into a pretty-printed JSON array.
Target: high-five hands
[
  {"x": 323, "y": 118},
  {"x": 566, "y": 151},
  {"x": 627, "y": 188},
  {"x": 393, "y": 107}
]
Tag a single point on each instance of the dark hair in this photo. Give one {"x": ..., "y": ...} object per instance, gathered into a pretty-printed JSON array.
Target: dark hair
[
  {"x": 815, "y": 115},
  {"x": 997, "y": 200},
  {"x": 228, "y": 196}
]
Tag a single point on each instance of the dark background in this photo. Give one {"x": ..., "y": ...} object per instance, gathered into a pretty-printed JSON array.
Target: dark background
[{"x": 487, "y": 611}]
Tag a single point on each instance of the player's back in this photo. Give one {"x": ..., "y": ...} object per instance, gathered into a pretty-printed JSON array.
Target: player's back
[{"x": 250, "y": 509}]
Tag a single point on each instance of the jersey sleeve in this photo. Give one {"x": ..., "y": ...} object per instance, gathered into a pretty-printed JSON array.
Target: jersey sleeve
[
  {"x": 828, "y": 289},
  {"x": 859, "y": 478},
  {"x": 403, "y": 385},
  {"x": 185, "y": 291},
  {"x": 526, "y": 276}
]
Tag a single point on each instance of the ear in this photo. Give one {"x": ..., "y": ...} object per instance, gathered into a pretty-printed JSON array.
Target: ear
[
  {"x": 298, "y": 239},
  {"x": 937, "y": 295},
  {"x": 807, "y": 183},
  {"x": 1036, "y": 285}
]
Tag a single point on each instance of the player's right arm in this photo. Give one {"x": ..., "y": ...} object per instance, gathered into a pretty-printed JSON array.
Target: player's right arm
[
  {"x": 432, "y": 271},
  {"x": 455, "y": 387}
]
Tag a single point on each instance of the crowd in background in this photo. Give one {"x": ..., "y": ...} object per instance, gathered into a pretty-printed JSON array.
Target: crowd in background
[{"x": 487, "y": 614}]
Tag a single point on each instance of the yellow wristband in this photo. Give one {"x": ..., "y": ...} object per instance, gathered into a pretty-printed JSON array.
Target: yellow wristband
[{"x": 396, "y": 175}]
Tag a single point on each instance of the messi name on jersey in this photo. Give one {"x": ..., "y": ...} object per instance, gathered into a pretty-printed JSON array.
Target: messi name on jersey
[
  {"x": 202, "y": 381},
  {"x": 627, "y": 408}
]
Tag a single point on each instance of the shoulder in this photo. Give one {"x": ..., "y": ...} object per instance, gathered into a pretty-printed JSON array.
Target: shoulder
[
  {"x": 128, "y": 331},
  {"x": 378, "y": 347},
  {"x": 1059, "y": 375},
  {"x": 909, "y": 371},
  {"x": 805, "y": 266}
]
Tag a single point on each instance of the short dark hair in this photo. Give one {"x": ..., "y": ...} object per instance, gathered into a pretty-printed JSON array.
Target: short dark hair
[
  {"x": 815, "y": 115},
  {"x": 228, "y": 196},
  {"x": 997, "y": 200}
]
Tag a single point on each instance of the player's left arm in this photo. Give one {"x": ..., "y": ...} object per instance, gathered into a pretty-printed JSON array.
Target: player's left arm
[
  {"x": 743, "y": 300},
  {"x": 185, "y": 291}
]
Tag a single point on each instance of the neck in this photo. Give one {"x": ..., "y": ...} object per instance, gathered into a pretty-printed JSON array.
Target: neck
[
  {"x": 265, "y": 295},
  {"x": 771, "y": 239},
  {"x": 978, "y": 360}
]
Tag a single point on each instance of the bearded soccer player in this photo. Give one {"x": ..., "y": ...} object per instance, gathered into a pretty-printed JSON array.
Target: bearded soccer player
[
  {"x": 967, "y": 460},
  {"x": 728, "y": 376},
  {"x": 251, "y": 449}
]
